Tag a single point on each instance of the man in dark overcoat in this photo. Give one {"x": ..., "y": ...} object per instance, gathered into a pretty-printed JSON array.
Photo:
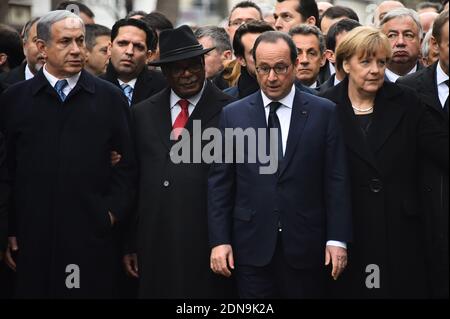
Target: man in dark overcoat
[
  {"x": 172, "y": 250},
  {"x": 60, "y": 128}
]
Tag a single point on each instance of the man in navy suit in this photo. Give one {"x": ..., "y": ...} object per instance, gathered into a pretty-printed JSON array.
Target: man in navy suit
[{"x": 279, "y": 230}]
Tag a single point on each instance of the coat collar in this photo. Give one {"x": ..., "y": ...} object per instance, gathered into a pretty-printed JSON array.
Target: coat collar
[
  {"x": 85, "y": 82},
  {"x": 427, "y": 87},
  {"x": 206, "y": 108},
  {"x": 388, "y": 112}
]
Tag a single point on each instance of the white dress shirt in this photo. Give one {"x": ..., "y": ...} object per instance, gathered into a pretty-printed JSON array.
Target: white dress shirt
[
  {"x": 175, "y": 108},
  {"x": 393, "y": 77},
  {"x": 72, "y": 81},
  {"x": 284, "y": 113},
  {"x": 313, "y": 86},
  {"x": 332, "y": 68},
  {"x": 131, "y": 83},
  {"x": 28, "y": 73},
  {"x": 336, "y": 81},
  {"x": 441, "y": 77}
]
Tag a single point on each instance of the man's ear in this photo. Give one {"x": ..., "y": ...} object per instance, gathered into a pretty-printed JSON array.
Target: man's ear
[
  {"x": 227, "y": 55},
  {"x": 311, "y": 20},
  {"x": 241, "y": 61},
  {"x": 434, "y": 43},
  {"x": 149, "y": 56},
  {"x": 3, "y": 59},
  {"x": 42, "y": 48},
  {"x": 323, "y": 60},
  {"x": 330, "y": 56}
]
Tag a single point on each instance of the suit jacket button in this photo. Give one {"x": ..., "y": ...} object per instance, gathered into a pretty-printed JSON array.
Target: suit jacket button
[
  {"x": 376, "y": 185},
  {"x": 166, "y": 183}
]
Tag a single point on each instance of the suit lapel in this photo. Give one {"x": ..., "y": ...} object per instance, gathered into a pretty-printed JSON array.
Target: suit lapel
[
  {"x": 299, "y": 116},
  {"x": 257, "y": 114},
  {"x": 161, "y": 117},
  {"x": 141, "y": 88},
  {"x": 386, "y": 116},
  {"x": 428, "y": 90},
  {"x": 354, "y": 137},
  {"x": 207, "y": 107}
]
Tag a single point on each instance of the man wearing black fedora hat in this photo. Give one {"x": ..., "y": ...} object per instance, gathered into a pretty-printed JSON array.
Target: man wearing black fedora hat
[{"x": 172, "y": 237}]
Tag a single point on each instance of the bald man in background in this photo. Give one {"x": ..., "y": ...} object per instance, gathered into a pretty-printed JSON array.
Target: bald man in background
[{"x": 383, "y": 8}]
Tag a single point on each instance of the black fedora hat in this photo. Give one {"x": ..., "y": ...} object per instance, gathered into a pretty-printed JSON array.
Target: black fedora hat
[{"x": 178, "y": 44}]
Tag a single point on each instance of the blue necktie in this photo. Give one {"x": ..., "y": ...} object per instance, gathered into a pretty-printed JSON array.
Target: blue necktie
[
  {"x": 59, "y": 87},
  {"x": 128, "y": 91}
]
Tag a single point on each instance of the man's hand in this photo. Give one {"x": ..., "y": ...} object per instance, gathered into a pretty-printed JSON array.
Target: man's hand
[
  {"x": 131, "y": 265},
  {"x": 10, "y": 250},
  {"x": 115, "y": 158},
  {"x": 221, "y": 258},
  {"x": 338, "y": 257}
]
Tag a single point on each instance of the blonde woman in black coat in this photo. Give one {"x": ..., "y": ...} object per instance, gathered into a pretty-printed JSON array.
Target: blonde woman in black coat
[{"x": 386, "y": 129}]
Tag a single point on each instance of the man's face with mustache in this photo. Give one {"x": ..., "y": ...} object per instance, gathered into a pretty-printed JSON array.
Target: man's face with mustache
[
  {"x": 129, "y": 52},
  {"x": 185, "y": 77}
]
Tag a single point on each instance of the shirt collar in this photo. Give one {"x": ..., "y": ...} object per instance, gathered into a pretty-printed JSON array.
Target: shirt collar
[
  {"x": 336, "y": 81},
  {"x": 440, "y": 75},
  {"x": 313, "y": 86},
  {"x": 287, "y": 101},
  {"x": 332, "y": 68},
  {"x": 193, "y": 100},
  {"x": 131, "y": 83},
  {"x": 28, "y": 73},
  {"x": 72, "y": 81},
  {"x": 392, "y": 76}
]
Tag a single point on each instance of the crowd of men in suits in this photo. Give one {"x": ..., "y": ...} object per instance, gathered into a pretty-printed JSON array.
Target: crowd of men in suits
[{"x": 93, "y": 204}]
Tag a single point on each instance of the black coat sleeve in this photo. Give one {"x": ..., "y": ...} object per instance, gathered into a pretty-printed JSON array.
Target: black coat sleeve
[
  {"x": 122, "y": 186},
  {"x": 4, "y": 194},
  {"x": 433, "y": 139}
]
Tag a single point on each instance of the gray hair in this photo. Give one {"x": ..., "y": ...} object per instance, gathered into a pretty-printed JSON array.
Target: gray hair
[
  {"x": 425, "y": 49},
  {"x": 45, "y": 23},
  {"x": 401, "y": 13},
  {"x": 218, "y": 35},
  {"x": 306, "y": 29},
  {"x": 27, "y": 27}
]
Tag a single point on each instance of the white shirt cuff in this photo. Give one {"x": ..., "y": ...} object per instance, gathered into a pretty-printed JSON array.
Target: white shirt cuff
[{"x": 337, "y": 244}]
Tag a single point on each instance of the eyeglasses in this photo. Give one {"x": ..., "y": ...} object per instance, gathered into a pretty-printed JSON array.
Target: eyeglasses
[
  {"x": 278, "y": 69},
  {"x": 192, "y": 68},
  {"x": 239, "y": 22}
]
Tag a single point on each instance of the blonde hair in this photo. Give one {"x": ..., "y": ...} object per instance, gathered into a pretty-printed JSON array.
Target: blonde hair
[
  {"x": 363, "y": 41},
  {"x": 231, "y": 72}
]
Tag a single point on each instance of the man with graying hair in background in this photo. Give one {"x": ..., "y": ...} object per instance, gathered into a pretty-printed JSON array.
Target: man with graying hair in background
[
  {"x": 33, "y": 59},
  {"x": 67, "y": 197},
  {"x": 217, "y": 38},
  {"x": 404, "y": 31},
  {"x": 98, "y": 42}
]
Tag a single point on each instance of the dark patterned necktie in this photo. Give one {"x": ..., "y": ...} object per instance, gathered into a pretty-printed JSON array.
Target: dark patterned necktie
[{"x": 274, "y": 122}]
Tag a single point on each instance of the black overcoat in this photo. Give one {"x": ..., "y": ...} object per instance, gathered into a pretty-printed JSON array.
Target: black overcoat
[
  {"x": 63, "y": 184},
  {"x": 387, "y": 217},
  {"x": 173, "y": 249}
]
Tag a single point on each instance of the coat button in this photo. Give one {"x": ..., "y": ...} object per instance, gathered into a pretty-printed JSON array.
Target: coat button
[
  {"x": 375, "y": 185},
  {"x": 166, "y": 183}
]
